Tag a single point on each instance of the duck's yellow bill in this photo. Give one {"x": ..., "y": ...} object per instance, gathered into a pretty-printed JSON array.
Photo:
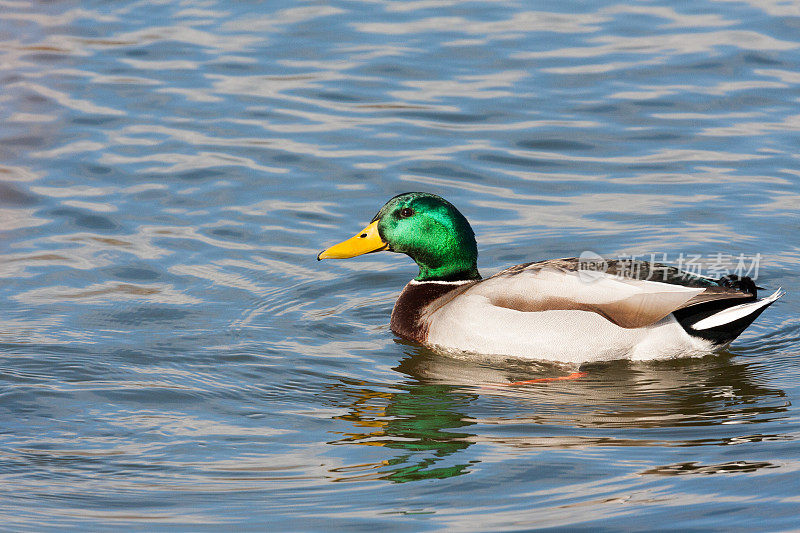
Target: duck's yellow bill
[{"x": 364, "y": 242}]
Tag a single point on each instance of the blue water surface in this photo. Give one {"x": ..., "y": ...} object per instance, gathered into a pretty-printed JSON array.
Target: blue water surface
[{"x": 173, "y": 357}]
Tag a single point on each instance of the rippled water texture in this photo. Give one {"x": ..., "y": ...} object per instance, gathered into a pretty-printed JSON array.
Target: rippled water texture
[{"x": 172, "y": 355}]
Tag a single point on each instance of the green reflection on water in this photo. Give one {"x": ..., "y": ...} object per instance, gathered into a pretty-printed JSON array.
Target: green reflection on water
[
  {"x": 427, "y": 414},
  {"x": 424, "y": 417},
  {"x": 419, "y": 420}
]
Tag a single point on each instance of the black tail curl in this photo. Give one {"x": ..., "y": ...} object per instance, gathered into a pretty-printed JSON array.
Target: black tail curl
[{"x": 744, "y": 284}]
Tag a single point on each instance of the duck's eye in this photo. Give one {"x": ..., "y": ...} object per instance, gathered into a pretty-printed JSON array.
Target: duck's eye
[{"x": 406, "y": 212}]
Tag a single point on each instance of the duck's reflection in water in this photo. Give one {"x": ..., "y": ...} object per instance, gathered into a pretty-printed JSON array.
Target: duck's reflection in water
[
  {"x": 423, "y": 421},
  {"x": 447, "y": 404}
]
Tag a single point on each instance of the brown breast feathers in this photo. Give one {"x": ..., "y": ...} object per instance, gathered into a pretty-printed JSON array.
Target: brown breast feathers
[{"x": 408, "y": 313}]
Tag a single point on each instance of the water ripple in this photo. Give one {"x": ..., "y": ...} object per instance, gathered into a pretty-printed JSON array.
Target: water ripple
[{"x": 171, "y": 352}]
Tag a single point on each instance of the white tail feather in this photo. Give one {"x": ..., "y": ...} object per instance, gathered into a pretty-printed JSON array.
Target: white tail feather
[{"x": 734, "y": 313}]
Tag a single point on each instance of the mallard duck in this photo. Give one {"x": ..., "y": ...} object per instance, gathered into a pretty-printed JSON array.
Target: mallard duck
[{"x": 549, "y": 310}]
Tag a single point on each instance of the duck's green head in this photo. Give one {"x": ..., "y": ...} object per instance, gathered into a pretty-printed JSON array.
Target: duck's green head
[{"x": 427, "y": 228}]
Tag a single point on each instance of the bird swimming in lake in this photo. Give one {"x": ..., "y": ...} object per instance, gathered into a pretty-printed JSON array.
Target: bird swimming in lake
[{"x": 548, "y": 310}]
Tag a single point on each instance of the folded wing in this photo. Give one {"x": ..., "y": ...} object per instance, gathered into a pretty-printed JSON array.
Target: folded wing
[{"x": 625, "y": 301}]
